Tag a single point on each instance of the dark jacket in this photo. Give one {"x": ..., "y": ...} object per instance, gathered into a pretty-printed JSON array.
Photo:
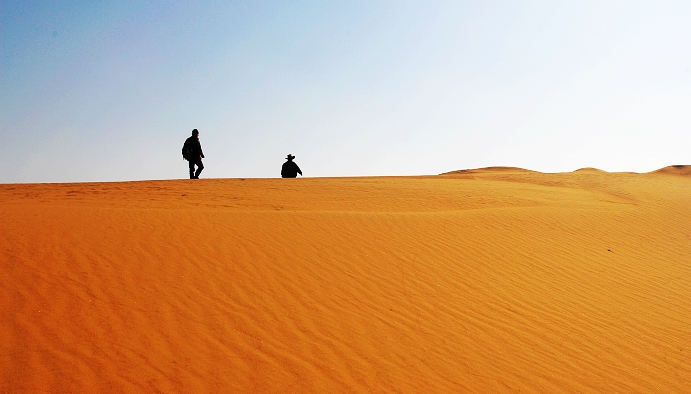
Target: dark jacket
[
  {"x": 194, "y": 148},
  {"x": 290, "y": 170}
]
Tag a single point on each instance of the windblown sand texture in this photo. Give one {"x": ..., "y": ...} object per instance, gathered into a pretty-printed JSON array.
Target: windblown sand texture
[{"x": 496, "y": 280}]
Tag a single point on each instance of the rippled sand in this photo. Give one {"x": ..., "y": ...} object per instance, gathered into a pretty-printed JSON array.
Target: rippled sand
[{"x": 485, "y": 281}]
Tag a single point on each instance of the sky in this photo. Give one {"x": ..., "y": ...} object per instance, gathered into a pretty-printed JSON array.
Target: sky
[{"x": 109, "y": 90}]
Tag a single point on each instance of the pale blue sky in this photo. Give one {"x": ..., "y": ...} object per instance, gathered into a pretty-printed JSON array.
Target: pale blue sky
[{"x": 105, "y": 91}]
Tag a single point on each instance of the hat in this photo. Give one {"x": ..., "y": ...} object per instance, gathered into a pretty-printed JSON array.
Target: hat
[{"x": 290, "y": 157}]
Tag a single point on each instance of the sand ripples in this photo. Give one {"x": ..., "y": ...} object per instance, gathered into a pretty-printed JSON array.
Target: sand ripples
[{"x": 488, "y": 281}]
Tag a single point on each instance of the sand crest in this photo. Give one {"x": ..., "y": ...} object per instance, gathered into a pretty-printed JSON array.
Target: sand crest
[
  {"x": 491, "y": 280},
  {"x": 675, "y": 170}
]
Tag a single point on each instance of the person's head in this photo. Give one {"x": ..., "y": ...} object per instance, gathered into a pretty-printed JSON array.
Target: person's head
[
  {"x": 290, "y": 157},
  {"x": 195, "y": 133}
]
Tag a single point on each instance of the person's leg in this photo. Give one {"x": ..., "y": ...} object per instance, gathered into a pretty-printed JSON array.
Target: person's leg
[
  {"x": 200, "y": 167},
  {"x": 191, "y": 169}
]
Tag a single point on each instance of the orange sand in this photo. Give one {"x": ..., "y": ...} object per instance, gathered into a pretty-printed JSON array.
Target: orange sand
[{"x": 483, "y": 281}]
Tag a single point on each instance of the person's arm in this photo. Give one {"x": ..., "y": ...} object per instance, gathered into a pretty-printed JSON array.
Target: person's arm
[
  {"x": 201, "y": 153},
  {"x": 298, "y": 168}
]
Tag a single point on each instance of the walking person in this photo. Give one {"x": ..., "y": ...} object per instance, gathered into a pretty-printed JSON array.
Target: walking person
[
  {"x": 290, "y": 169},
  {"x": 192, "y": 152}
]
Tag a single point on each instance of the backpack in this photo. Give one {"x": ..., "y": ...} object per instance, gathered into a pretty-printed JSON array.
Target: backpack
[{"x": 186, "y": 150}]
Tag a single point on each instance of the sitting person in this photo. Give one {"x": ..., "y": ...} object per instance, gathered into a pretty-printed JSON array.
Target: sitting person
[{"x": 290, "y": 169}]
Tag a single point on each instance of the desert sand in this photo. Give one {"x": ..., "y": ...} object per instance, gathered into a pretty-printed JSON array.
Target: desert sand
[{"x": 496, "y": 280}]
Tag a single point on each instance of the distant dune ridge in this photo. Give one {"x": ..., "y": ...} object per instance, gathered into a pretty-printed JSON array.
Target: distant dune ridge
[
  {"x": 495, "y": 280},
  {"x": 675, "y": 170}
]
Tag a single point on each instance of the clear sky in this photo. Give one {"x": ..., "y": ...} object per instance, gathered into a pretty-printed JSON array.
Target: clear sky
[{"x": 109, "y": 90}]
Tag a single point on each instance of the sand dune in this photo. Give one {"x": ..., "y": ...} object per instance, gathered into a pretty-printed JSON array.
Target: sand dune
[
  {"x": 494, "y": 280},
  {"x": 675, "y": 170}
]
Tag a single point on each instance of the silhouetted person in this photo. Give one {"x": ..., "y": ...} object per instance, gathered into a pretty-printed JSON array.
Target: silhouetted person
[
  {"x": 290, "y": 169},
  {"x": 192, "y": 152}
]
